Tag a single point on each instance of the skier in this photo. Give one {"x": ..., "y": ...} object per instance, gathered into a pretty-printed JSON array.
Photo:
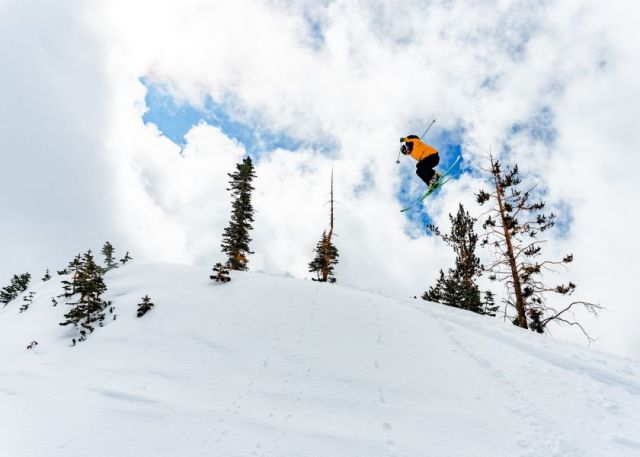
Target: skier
[{"x": 426, "y": 155}]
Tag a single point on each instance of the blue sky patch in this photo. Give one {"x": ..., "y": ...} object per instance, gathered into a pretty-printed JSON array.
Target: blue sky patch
[
  {"x": 539, "y": 127},
  {"x": 175, "y": 120},
  {"x": 449, "y": 143},
  {"x": 315, "y": 31}
]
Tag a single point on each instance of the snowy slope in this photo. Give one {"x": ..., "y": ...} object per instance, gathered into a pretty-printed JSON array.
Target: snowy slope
[{"x": 272, "y": 366}]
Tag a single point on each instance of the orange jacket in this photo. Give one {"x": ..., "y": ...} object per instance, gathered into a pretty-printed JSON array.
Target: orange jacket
[{"x": 417, "y": 148}]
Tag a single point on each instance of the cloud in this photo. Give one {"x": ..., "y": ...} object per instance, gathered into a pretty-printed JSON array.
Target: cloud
[
  {"x": 56, "y": 176},
  {"x": 550, "y": 85}
]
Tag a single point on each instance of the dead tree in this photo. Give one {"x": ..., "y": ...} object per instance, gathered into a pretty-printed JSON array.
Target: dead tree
[
  {"x": 512, "y": 228},
  {"x": 326, "y": 253}
]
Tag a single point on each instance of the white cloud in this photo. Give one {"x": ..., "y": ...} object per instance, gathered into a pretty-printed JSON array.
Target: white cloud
[
  {"x": 56, "y": 178},
  {"x": 360, "y": 74}
]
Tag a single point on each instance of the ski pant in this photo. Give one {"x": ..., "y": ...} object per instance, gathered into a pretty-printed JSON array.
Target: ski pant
[{"x": 425, "y": 168}]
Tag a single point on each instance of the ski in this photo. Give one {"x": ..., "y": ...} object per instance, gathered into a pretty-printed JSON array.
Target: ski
[{"x": 435, "y": 186}]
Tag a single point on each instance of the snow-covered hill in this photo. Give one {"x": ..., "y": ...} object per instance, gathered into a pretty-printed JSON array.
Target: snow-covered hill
[{"x": 272, "y": 366}]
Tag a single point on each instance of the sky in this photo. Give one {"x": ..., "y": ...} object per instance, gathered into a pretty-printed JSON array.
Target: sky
[{"x": 120, "y": 121}]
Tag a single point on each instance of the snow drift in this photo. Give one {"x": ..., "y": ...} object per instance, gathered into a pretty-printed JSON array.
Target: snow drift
[{"x": 273, "y": 366}]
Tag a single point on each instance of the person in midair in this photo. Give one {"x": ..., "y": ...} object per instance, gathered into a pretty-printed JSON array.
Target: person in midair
[{"x": 426, "y": 155}]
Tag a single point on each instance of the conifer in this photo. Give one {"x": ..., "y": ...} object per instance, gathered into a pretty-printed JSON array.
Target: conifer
[
  {"x": 235, "y": 238},
  {"x": 221, "y": 273},
  {"x": 27, "y": 301},
  {"x": 18, "y": 284},
  {"x": 89, "y": 309},
  {"x": 436, "y": 292},
  {"x": 490, "y": 307},
  {"x": 326, "y": 252},
  {"x": 22, "y": 282},
  {"x": 458, "y": 288},
  {"x": 68, "y": 285},
  {"x": 326, "y": 257},
  {"x": 46, "y": 276},
  {"x": 108, "y": 251},
  {"x": 145, "y": 306},
  {"x": 126, "y": 258}
]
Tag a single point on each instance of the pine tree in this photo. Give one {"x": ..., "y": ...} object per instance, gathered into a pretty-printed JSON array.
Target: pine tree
[
  {"x": 490, "y": 307},
  {"x": 513, "y": 226},
  {"x": 107, "y": 251},
  {"x": 458, "y": 288},
  {"x": 221, "y": 273},
  {"x": 326, "y": 257},
  {"x": 27, "y": 301},
  {"x": 90, "y": 308},
  {"x": 68, "y": 285},
  {"x": 235, "y": 239},
  {"x": 46, "y": 276},
  {"x": 326, "y": 252},
  {"x": 436, "y": 292},
  {"x": 22, "y": 282},
  {"x": 126, "y": 258},
  {"x": 18, "y": 284},
  {"x": 145, "y": 306},
  {"x": 446, "y": 290}
]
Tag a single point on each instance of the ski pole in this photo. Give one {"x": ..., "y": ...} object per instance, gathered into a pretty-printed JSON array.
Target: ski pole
[{"x": 425, "y": 132}]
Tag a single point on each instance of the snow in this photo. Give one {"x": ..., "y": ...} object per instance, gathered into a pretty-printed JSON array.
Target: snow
[{"x": 274, "y": 366}]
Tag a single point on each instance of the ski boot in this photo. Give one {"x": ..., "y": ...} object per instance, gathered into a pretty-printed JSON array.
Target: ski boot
[{"x": 434, "y": 179}]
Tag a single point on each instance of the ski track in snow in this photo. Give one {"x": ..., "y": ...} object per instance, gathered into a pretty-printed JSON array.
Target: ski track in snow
[
  {"x": 562, "y": 362},
  {"x": 277, "y": 417},
  {"x": 386, "y": 426},
  {"x": 539, "y": 429},
  {"x": 280, "y": 417}
]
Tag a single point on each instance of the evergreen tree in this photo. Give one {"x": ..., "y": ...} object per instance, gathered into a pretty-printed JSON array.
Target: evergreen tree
[
  {"x": 436, "y": 292},
  {"x": 326, "y": 253},
  {"x": 22, "y": 282},
  {"x": 326, "y": 257},
  {"x": 446, "y": 290},
  {"x": 145, "y": 306},
  {"x": 68, "y": 285},
  {"x": 46, "y": 276},
  {"x": 458, "y": 288},
  {"x": 126, "y": 258},
  {"x": 27, "y": 301},
  {"x": 89, "y": 309},
  {"x": 221, "y": 273},
  {"x": 490, "y": 307},
  {"x": 513, "y": 226},
  {"x": 108, "y": 251},
  {"x": 235, "y": 239},
  {"x": 18, "y": 284}
]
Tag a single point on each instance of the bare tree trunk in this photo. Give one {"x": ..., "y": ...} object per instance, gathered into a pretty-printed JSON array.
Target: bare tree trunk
[
  {"x": 517, "y": 286},
  {"x": 327, "y": 244}
]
